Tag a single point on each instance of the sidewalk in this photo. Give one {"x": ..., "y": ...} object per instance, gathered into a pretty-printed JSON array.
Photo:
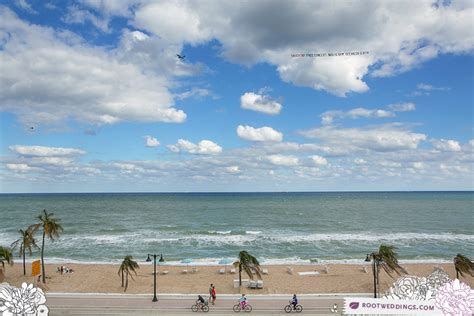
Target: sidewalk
[{"x": 169, "y": 304}]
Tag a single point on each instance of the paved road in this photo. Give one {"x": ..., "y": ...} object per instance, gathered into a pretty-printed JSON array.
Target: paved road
[{"x": 177, "y": 305}]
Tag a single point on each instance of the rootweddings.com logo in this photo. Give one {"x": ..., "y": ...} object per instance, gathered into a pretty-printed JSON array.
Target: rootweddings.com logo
[{"x": 452, "y": 298}]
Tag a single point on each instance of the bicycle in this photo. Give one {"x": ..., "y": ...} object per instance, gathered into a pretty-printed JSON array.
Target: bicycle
[
  {"x": 290, "y": 307},
  {"x": 245, "y": 307},
  {"x": 200, "y": 306}
]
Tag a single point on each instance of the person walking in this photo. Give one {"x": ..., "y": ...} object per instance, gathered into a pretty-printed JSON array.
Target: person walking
[
  {"x": 210, "y": 292},
  {"x": 213, "y": 295}
]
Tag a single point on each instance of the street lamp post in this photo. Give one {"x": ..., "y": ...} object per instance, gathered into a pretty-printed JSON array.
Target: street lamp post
[{"x": 148, "y": 259}]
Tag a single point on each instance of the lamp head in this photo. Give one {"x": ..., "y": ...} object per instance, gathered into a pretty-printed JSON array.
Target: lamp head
[
  {"x": 367, "y": 259},
  {"x": 161, "y": 258},
  {"x": 148, "y": 258}
]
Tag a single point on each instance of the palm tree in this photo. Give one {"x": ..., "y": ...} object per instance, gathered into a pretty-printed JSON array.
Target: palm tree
[
  {"x": 5, "y": 256},
  {"x": 463, "y": 264},
  {"x": 51, "y": 229},
  {"x": 249, "y": 264},
  {"x": 126, "y": 268},
  {"x": 385, "y": 257},
  {"x": 26, "y": 242}
]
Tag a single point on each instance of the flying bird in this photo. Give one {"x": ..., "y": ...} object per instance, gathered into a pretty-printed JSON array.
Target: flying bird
[{"x": 180, "y": 57}]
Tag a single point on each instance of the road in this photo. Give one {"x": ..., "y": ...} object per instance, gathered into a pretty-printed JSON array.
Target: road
[{"x": 177, "y": 305}]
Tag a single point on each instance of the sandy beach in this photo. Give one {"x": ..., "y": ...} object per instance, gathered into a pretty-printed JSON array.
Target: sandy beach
[{"x": 103, "y": 278}]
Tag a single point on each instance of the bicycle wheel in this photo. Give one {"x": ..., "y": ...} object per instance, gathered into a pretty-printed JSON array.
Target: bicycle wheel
[
  {"x": 287, "y": 308},
  {"x": 299, "y": 308},
  {"x": 205, "y": 308},
  {"x": 248, "y": 308},
  {"x": 236, "y": 308},
  {"x": 194, "y": 308}
]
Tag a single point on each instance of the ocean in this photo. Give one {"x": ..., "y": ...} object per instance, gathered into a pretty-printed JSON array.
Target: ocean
[{"x": 278, "y": 228}]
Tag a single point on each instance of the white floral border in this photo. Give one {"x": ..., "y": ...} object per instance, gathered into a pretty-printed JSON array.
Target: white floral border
[
  {"x": 452, "y": 297},
  {"x": 26, "y": 300}
]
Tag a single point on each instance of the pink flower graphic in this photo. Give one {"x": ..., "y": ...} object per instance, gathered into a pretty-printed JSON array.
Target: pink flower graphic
[{"x": 455, "y": 298}]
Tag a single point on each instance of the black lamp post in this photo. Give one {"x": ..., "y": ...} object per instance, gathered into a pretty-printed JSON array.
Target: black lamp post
[
  {"x": 155, "y": 299},
  {"x": 368, "y": 259}
]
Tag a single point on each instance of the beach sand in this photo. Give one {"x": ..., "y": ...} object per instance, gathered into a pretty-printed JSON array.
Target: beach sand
[{"x": 103, "y": 278}]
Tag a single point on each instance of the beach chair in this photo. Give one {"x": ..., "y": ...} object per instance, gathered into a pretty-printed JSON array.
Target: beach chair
[
  {"x": 185, "y": 271},
  {"x": 260, "y": 284},
  {"x": 164, "y": 272},
  {"x": 221, "y": 271},
  {"x": 309, "y": 273},
  {"x": 253, "y": 284},
  {"x": 265, "y": 271},
  {"x": 194, "y": 270},
  {"x": 364, "y": 268},
  {"x": 290, "y": 270},
  {"x": 232, "y": 271},
  {"x": 326, "y": 269},
  {"x": 438, "y": 267}
]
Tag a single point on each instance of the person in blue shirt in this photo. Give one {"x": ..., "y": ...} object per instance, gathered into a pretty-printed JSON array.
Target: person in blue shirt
[{"x": 294, "y": 301}]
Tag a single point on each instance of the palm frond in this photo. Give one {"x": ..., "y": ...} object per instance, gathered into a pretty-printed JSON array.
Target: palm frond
[
  {"x": 249, "y": 264},
  {"x": 6, "y": 256},
  {"x": 463, "y": 264}
]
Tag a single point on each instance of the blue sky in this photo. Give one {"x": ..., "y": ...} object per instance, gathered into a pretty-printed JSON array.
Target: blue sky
[{"x": 93, "y": 97}]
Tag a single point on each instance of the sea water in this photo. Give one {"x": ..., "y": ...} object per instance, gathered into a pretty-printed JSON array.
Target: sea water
[{"x": 275, "y": 227}]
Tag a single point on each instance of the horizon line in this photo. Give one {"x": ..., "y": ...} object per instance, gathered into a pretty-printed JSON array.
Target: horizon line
[{"x": 246, "y": 192}]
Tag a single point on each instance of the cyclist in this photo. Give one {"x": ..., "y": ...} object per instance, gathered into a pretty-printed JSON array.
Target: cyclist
[
  {"x": 201, "y": 300},
  {"x": 243, "y": 301},
  {"x": 294, "y": 301}
]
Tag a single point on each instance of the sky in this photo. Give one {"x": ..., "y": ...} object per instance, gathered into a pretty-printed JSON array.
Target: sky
[{"x": 270, "y": 96}]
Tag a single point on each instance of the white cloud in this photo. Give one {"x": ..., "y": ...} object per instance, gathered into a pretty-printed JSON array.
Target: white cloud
[
  {"x": 21, "y": 167},
  {"x": 42, "y": 151},
  {"x": 428, "y": 87},
  {"x": 330, "y": 116},
  {"x": 23, "y": 4},
  {"x": 50, "y": 76},
  {"x": 397, "y": 40},
  {"x": 402, "y": 107},
  {"x": 377, "y": 138},
  {"x": 446, "y": 144},
  {"x": 151, "y": 141},
  {"x": 76, "y": 15},
  {"x": 283, "y": 160},
  {"x": 176, "y": 22},
  {"x": 419, "y": 165},
  {"x": 318, "y": 160},
  {"x": 260, "y": 103},
  {"x": 262, "y": 134},
  {"x": 112, "y": 7},
  {"x": 194, "y": 92},
  {"x": 423, "y": 89},
  {"x": 204, "y": 147},
  {"x": 233, "y": 169}
]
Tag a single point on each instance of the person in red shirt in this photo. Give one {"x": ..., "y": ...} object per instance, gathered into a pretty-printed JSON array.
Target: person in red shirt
[{"x": 213, "y": 295}]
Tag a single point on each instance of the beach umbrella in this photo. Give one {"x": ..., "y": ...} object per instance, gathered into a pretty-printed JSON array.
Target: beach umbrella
[
  {"x": 187, "y": 261},
  {"x": 226, "y": 261}
]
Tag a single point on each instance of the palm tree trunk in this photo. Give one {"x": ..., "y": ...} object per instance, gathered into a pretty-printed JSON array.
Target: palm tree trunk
[
  {"x": 378, "y": 280},
  {"x": 24, "y": 264},
  {"x": 123, "y": 281},
  {"x": 43, "y": 276},
  {"x": 375, "y": 278},
  {"x": 457, "y": 274},
  {"x": 240, "y": 275},
  {"x": 126, "y": 282}
]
